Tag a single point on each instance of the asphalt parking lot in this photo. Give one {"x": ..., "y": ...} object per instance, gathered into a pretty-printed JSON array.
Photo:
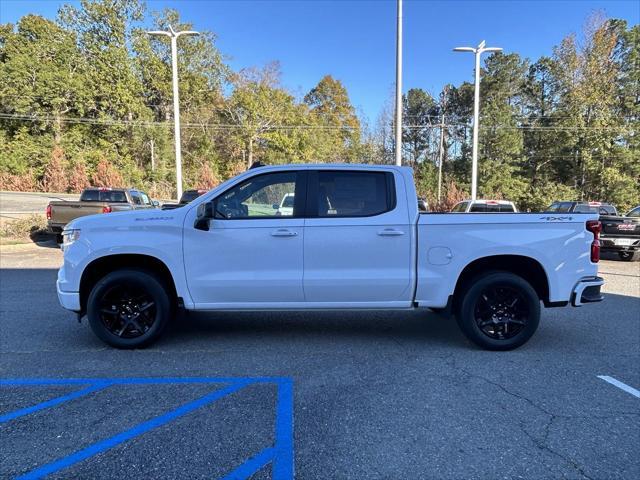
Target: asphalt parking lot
[{"x": 316, "y": 396}]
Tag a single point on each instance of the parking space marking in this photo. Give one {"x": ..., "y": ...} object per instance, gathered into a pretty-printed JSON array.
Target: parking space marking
[
  {"x": 54, "y": 402},
  {"x": 280, "y": 454},
  {"x": 620, "y": 385}
]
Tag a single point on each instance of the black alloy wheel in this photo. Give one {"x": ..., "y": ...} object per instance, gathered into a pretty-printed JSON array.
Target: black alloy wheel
[
  {"x": 127, "y": 311},
  {"x": 129, "y": 308},
  {"x": 498, "y": 310},
  {"x": 501, "y": 312}
]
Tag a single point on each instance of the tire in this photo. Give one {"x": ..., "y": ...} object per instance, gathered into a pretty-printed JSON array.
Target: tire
[
  {"x": 498, "y": 311},
  {"x": 59, "y": 238},
  {"x": 629, "y": 256},
  {"x": 129, "y": 309}
]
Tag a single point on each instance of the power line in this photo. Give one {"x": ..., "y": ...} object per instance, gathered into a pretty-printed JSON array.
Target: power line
[{"x": 233, "y": 126}]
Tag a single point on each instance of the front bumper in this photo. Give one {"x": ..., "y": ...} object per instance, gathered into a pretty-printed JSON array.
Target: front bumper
[
  {"x": 68, "y": 300},
  {"x": 587, "y": 290}
]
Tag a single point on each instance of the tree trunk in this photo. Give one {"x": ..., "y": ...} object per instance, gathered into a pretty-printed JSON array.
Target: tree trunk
[{"x": 250, "y": 155}]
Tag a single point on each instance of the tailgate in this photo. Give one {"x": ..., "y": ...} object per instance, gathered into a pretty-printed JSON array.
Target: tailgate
[
  {"x": 620, "y": 227},
  {"x": 63, "y": 212}
]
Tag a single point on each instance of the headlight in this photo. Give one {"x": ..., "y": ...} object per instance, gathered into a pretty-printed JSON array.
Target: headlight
[{"x": 69, "y": 236}]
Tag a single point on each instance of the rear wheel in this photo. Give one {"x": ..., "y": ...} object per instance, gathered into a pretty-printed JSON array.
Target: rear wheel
[
  {"x": 128, "y": 309},
  {"x": 499, "y": 311},
  {"x": 629, "y": 256}
]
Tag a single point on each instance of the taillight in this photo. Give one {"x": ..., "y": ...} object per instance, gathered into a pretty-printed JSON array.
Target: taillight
[
  {"x": 106, "y": 209},
  {"x": 595, "y": 227},
  {"x": 48, "y": 212}
]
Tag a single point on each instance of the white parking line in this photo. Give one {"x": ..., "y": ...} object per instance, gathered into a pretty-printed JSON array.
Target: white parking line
[{"x": 620, "y": 385}]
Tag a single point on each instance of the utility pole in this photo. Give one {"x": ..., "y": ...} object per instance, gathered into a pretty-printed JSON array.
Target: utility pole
[
  {"x": 441, "y": 156},
  {"x": 443, "y": 106},
  {"x": 399, "y": 85},
  {"x": 176, "y": 99},
  {"x": 479, "y": 50}
]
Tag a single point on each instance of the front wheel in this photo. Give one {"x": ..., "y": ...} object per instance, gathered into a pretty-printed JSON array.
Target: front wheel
[
  {"x": 128, "y": 309},
  {"x": 498, "y": 311}
]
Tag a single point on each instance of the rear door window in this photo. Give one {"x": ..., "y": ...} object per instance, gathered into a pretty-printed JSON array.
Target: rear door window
[{"x": 354, "y": 193}]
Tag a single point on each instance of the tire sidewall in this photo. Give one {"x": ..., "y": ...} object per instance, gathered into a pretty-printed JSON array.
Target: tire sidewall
[
  {"x": 466, "y": 312},
  {"x": 142, "y": 279}
]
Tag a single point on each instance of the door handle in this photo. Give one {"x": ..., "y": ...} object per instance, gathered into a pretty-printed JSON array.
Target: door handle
[
  {"x": 283, "y": 232},
  {"x": 390, "y": 232}
]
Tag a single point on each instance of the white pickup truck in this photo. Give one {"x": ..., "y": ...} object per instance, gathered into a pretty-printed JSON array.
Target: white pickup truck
[{"x": 354, "y": 239}]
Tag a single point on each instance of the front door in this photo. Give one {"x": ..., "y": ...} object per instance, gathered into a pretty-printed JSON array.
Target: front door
[{"x": 252, "y": 254}]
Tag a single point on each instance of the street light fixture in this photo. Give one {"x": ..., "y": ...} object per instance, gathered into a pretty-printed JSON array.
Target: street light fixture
[
  {"x": 176, "y": 99},
  {"x": 479, "y": 50}
]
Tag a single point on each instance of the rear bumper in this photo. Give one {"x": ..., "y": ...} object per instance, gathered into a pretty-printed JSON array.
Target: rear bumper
[
  {"x": 587, "y": 290},
  {"x": 619, "y": 244}
]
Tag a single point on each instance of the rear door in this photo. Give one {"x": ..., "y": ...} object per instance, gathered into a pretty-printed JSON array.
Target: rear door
[{"x": 357, "y": 247}]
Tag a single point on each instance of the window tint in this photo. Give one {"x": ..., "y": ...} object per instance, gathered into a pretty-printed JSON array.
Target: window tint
[
  {"x": 90, "y": 196},
  {"x": 287, "y": 201},
  {"x": 461, "y": 207},
  {"x": 190, "y": 195},
  {"x": 554, "y": 207},
  {"x": 103, "y": 196},
  {"x": 506, "y": 208},
  {"x": 478, "y": 207},
  {"x": 564, "y": 207},
  {"x": 607, "y": 210},
  {"x": 585, "y": 208},
  {"x": 258, "y": 197},
  {"x": 135, "y": 196},
  {"x": 354, "y": 194},
  {"x": 634, "y": 213}
]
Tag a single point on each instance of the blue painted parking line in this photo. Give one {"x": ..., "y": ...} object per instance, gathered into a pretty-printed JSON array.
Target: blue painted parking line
[
  {"x": 280, "y": 454},
  {"x": 53, "y": 402}
]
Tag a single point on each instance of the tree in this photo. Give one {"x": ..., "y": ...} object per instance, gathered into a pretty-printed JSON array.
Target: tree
[
  {"x": 338, "y": 127},
  {"x": 419, "y": 109}
]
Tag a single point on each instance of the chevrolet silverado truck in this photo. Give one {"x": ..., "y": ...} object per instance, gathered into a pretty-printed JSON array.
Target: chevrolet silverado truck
[
  {"x": 354, "y": 240},
  {"x": 93, "y": 201}
]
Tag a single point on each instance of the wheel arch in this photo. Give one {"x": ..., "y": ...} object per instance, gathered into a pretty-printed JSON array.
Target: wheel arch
[
  {"x": 102, "y": 266},
  {"x": 526, "y": 267}
]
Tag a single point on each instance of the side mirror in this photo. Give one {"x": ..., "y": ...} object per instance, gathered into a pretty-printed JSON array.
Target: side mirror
[
  {"x": 203, "y": 215},
  {"x": 155, "y": 203}
]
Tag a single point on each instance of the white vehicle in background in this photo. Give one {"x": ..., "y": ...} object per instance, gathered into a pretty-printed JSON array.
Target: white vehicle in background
[
  {"x": 484, "y": 206},
  {"x": 353, "y": 240},
  {"x": 286, "y": 205}
]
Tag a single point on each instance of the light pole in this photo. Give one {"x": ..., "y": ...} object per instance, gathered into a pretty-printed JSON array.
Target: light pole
[
  {"x": 176, "y": 98},
  {"x": 479, "y": 50},
  {"x": 398, "y": 122}
]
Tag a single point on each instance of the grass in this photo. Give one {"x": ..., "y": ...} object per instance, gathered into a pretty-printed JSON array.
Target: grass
[{"x": 22, "y": 230}]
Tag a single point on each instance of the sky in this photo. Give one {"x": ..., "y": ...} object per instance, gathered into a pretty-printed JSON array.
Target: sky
[{"x": 354, "y": 41}]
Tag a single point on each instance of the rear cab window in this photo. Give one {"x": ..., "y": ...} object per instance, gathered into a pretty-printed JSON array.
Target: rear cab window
[
  {"x": 349, "y": 193},
  {"x": 111, "y": 196}
]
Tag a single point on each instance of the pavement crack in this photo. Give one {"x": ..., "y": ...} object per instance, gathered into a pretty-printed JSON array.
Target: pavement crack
[{"x": 541, "y": 443}]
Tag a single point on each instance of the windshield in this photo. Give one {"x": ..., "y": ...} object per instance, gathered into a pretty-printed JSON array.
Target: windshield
[{"x": 634, "y": 213}]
